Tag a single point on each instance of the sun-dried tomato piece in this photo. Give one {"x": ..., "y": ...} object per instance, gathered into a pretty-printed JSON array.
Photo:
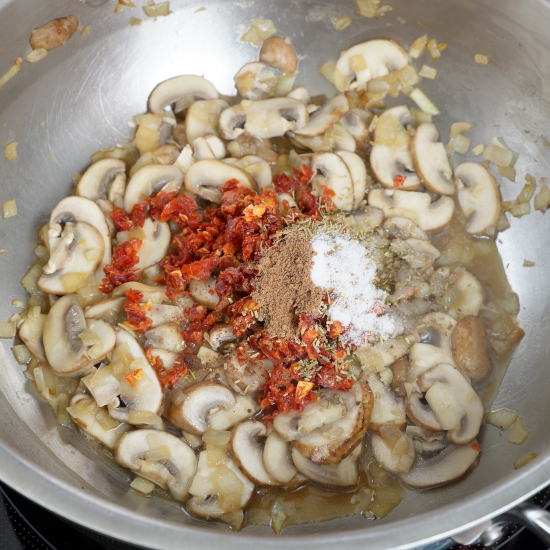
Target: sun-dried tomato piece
[
  {"x": 399, "y": 180},
  {"x": 137, "y": 314},
  {"x": 201, "y": 269},
  {"x": 327, "y": 377},
  {"x": 308, "y": 203},
  {"x": 126, "y": 222},
  {"x": 167, "y": 378},
  {"x": 286, "y": 184},
  {"x": 121, "y": 269},
  {"x": 165, "y": 206},
  {"x": 195, "y": 312}
]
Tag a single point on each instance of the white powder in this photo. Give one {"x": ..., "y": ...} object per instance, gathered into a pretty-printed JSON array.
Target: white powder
[{"x": 342, "y": 267}]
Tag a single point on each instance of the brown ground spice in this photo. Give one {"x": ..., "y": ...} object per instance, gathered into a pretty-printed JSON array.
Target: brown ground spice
[{"x": 284, "y": 288}]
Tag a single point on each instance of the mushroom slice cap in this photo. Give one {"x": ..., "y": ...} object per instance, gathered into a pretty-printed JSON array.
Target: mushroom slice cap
[
  {"x": 175, "y": 89},
  {"x": 252, "y": 84},
  {"x": 151, "y": 179},
  {"x": 380, "y": 57},
  {"x": 478, "y": 196},
  {"x": 358, "y": 172},
  {"x": 355, "y": 122},
  {"x": 107, "y": 337},
  {"x": 277, "y": 52},
  {"x": 166, "y": 336},
  {"x": 247, "y": 451},
  {"x": 421, "y": 414},
  {"x": 221, "y": 334},
  {"x": 244, "y": 408},
  {"x": 244, "y": 374},
  {"x": 389, "y": 163},
  {"x": 344, "y": 474},
  {"x": 393, "y": 462},
  {"x": 206, "y": 177},
  {"x": 389, "y": 408},
  {"x": 430, "y": 217},
  {"x": 444, "y": 467},
  {"x": 202, "y": 118},
  {"x": 80, "y": 209},
  {"x": 430, "y": 160},
  {"x": 190, "y": 412},
  {"x": 418, "y": 253},
  {"x": 404, "y": 228},
  {"x": 335, "y": 175},
  {"x": 30, "y": 331},
  {"x": 96, "y": 180},
  {"x": 277, "y": 459},
  {"x": 326, "y": 116},
  {"x": 470, "y": 296},
  {"x": 66, "y": 353},
  {"x": 161, "y": 314},
  {"x": 174, "y": 473},
  {"x": 263, "y": 119},
  {"x": 257, "y": 167}
]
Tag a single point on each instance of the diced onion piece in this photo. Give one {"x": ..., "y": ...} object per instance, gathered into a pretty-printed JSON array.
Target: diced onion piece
[
  {"x": 105, "y": 420},
  {"x": 478, "y": 149},
  {"x": 340, "y": 23},
  {"x": 3, "y": 250},
  {"x": 42, "y": 253},
  {"x": 87, "y": 29},
  {"x": 8, "y": 75},
  {"x": 89, "y": 338},
  {"x": 135, "y": 22},
  {"x": 11, "y": 150},
  {"x": 87, "y": 295},
  {"x": 459, "y": 144},
  {"x": 519, "y": 210},
  {"x": 427, "y": 72},
  {"x": 157, "y": 10},
  {"x": 526, "y": 193},
  {"x": 524, "y": 459},
  {"x": 419, "y": 117},
  {"x": 366, "y": 8},
  {"x": 142, "y": 485},
  {"x": 435, "y": 49},
  {"x": 9, "y": 209},
  {"x": 542, "y": 200},
  {"x": 481, "y": 58},
  {"x": 259, "y": 31},
  {"x": 332, "y": 74},
  {"x": 502, "y": 222},
  {"x": 143, "y": 417},
  {"x": 22, "y": 354},
  {"x": 357, "y": 63},
  {"x": 407, "y": 76},
  {"x": 459, "y": 128},
  {"x": 389, "y": 132},
  {"x": 499, "y": 155},
  {"x": 519, "y": 432},
  {"x": 146, "y": 139},
  {"x": 62, "y": 415},
  {"x": 73, "y": 281},
  {"x": 377, "y": 86},
  {"x": 18, "y": 303},
  {"x": 285, "y": 85},
  {"x": 423, "y": 102},
  {"x": 213, "y": 437},
  {"x": 418, "y": 46},
  {"x": 7, "y": 330},
  {"x": 527, "y": 263},
  {"x": 38, "y": 374},
  {"x": 265, "y": 152},
  {"x": 502, "y": 418}
]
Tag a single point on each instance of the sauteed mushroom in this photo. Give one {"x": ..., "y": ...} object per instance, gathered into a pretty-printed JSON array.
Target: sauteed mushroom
[
  {"x": 104, "y": 179},
  {"x": 180, "y": 89},
  {"x": 151, "y": 179},
  {"x": 277, "y": 52}
]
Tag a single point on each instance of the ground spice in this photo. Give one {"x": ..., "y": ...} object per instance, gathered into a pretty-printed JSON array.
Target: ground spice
[{"x": 284, "y": 289}]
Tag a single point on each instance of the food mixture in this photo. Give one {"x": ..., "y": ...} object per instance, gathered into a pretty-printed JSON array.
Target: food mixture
[{"x": 276, "y": 308}]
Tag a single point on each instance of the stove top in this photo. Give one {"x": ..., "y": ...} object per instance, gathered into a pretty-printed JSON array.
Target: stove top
[{"x": 27, "y": 526}]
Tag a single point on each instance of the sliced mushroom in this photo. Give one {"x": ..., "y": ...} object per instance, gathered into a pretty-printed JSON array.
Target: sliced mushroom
[
  {"x": 454, "y": 402},
  {"x": 404, "y": 228},
  {"x": 244, "y": 374},
  {"x": 381, "y": 57},
  {"x": 77, "y": 255},
  {"x": 156, "y": 238},
  {"x": 190, "y": 410},
  {"x": 151, "y": 179},
  {"x": 430, "y": 160},
  {"x": 397, "y": 459},
  {"x": 358, "y": 172},
  {"x": 344, "y": 474},
  {"x": 104, "y": 179},
  {"x": 65, "y": 352},
  {"x": 470, "y": 347},
  {"x": 254, "y": 82},
  {"x": 393, "y": 167},
  {"x": 369, "y": 217},
  {"x": 173, "y": 472},
  {"x": 153, "y": 294},
  {"x": 204, "y": 292},
  {"x": 301, "y": 94},
  {"x": 202, "y": 119},
  {"x": 263, "y": 119},
  {"x": 79, "y": 209},
  {"x": 107, "y": 208},
  {"x": 388, "y": 408},
  {"x": 479, "y": 197},
  {"x": 277, "y": 458},
  {"x": 221, "y": 334},
  {"x": 168, "y": 357},
  {"x": 30, "y": 331},
  {"x": 277, "y": 52},
  {"x": 207, "y": 501},
  {"x": 336, "y": 138},
  {"x": 245, "y": 407},
  {"x": 332, "y": 443},
  {"x": 167, "y": 336},
  {"x": 147, "y": 395},
  {"x": 421, "y": 413},
  {"x": 335, "y": 175},
  {"x": 426, "y": 441},
  {"x": 161, "y": 314},
  {"x": 382, "y": 354},
  {"x": 84, "y": 412},
  {"x": 466, "y": 291},
  {"x": 417, "y": 206},
  {"x": 206, "y": 177},
  {"x": 418, "y": 253},
  {"x": 186, "y": 88},
  {"x": 355, "y": 122},
  {"x": 325, "y": 117},
  {"x": 257, "y": 167},
  {"x": 248, "y": 452},
  {"x": 446, "y": 466}
]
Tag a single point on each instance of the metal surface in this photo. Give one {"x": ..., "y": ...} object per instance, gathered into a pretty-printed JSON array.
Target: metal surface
[{"x": 81, "y": 97}]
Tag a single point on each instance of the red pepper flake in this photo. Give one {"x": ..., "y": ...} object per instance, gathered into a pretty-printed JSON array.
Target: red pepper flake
[
  {"x": 167, "y": 378},
  {"x": 399, "y": 180},
  {"x": 476, "y": 447},
  {"x": 121, "y": 269},
  {"x": 137, "y": 314},
  {"x": 134, "y": 377},
  {"x": 327, "y": 377}
]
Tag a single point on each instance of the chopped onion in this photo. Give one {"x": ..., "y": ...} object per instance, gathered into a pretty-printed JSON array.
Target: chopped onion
[
  {"x": 428, "y": 72},
  {"x": 524, "y": 459},
  {"x": 7, "y": 330},
  {"x": 42, "y": 253},
  {"x": 340, "y": 23},
  {"x": 89, "y": 338},
  {"x": 73, "y": 281},
  {"x": 135, "y": 22},
  {"x": 459, "y": 144},
  {"x": 502, "y": 418},
  {"x": 259, "y": 31},
  {"x": 519, "y": 210},
  {"x": 146, "y": 139},
  {"x": 459, "y": 128},
  {"x": 285, "y": 85},
  {"x": 332, "y": 74},
  {"x": 357, "y": 63},
  {"x": 143, "y": 417},
  {"x": 407, "y": 76},
  {"x": 481, "y": 58},
  {"x": 86, "y": 30},
  {"x": 157, "y": 10},
  {"x": 62, "y": 415},
  {"x": 502, "y": 222},
  {"x": 542, "y": 200},
  {"x": 378, "y": 85},
  {"x": 7, "y": 76},
  {"x": 142, "y": 485},
  {"x": 11, "y": 150},
  {"x": 418, "y": 46},
  {"x": 105, "y": 420},
  {"x": 435, "y": 49},
  {"x": 9, "y": 209},
  {"x": 367, "y": 8},
  {"x": 22, "y": 354},
  {"x": 3, "y": 250},
  {"x": 423, "y": 101},
  {"x": 38, "y": 374},
  {"x": 519, "y": 432},
  {"x": 527, "y": 263},
  {"x": 526, "y": 193},
  {"x": 499, "y": 155},
  {"x": 478, "y": 149},
  {"x": 212, "y": 437}
]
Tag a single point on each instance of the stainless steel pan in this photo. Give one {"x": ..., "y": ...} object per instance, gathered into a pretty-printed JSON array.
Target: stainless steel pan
[{"x": 86, "y": 92}]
